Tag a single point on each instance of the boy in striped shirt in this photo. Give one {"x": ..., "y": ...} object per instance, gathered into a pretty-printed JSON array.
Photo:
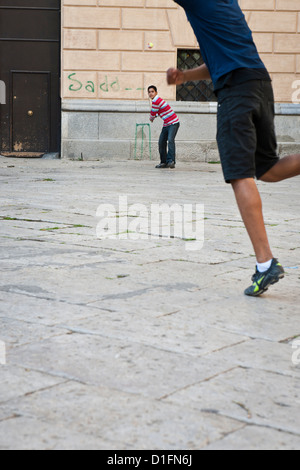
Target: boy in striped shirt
[{"x": 169, "y": 131}]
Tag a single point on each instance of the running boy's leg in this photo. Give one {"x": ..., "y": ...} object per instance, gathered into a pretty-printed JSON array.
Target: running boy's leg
[
  {"x": 250, "y": 205},
  {"x": 287, "y": 167},
  {"x": 244, "y": 155}
]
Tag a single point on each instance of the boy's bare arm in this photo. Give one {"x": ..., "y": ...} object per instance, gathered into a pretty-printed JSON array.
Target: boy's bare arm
[{"x": 178, "y": 77}]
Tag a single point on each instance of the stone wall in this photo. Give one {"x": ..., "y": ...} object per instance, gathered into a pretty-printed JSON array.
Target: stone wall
[
  {"x": 100, "y": 129},
  {"x": 106, "y": 53},
  {"x": 107, "y": 65}
]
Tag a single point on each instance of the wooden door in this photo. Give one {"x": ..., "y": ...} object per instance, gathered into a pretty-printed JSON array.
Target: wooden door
[{"x": 30, "y": 70}]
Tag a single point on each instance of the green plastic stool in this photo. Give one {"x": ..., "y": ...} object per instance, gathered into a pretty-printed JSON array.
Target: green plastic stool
[{"x": 136, "y": 134}]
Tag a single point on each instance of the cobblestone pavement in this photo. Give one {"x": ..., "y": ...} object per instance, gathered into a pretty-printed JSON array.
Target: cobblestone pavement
[{"x": 142, "y": 344}]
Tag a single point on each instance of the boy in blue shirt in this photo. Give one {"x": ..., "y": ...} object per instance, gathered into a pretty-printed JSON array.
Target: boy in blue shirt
[{"x": 246, "y": 135}]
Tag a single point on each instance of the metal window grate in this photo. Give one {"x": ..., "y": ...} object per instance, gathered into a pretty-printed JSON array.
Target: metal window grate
[{"x": 193, "y": 91}]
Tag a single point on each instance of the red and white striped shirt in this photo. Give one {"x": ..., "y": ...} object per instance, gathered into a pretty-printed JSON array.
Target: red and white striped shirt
[{"x": 163, "y": 110}]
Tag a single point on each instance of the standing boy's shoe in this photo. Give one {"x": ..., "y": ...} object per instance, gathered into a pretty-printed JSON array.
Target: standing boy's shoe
[
  {"x": 170, "y": 165},
  {"x": 161, "y": 165},
  {"x": 262, "y": 281}
]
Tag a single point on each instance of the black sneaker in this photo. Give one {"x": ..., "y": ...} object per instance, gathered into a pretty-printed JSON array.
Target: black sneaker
[
  {"x": 161, "y": 165},
  {"x": 262, "y": 281},
  {"x": 170, "y": 165}
]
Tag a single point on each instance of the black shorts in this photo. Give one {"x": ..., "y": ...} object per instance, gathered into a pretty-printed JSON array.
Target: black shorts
[{"x": 246, "y": 132}]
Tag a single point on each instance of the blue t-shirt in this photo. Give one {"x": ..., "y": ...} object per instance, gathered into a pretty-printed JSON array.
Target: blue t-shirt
[{"x": 223, "y": 35}]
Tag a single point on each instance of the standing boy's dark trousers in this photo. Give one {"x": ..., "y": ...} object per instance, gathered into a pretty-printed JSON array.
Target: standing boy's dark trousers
[{"x": 167, "y": 147}]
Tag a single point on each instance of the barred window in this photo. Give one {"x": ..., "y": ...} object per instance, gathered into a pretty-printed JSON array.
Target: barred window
[{"x": 193, "y": 91}]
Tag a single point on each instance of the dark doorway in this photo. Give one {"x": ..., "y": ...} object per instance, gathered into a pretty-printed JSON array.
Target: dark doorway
[{"x": 30, "y": 70}]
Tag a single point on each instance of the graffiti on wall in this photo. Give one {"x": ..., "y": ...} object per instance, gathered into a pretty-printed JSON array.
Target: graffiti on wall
[{"x": 109, "y": 85}]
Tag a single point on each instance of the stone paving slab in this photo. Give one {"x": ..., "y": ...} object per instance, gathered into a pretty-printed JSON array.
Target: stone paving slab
[
  {"x": 18, "y": 382},
  {"x": 256, "y": 437},
  {"x": 46, "y": 436},
  {"x": 235, "y": 394},
  {"x": 142, "y": 344},
  {"x": 120, "y": 419},
  {"x": 134, "y": 366}
]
